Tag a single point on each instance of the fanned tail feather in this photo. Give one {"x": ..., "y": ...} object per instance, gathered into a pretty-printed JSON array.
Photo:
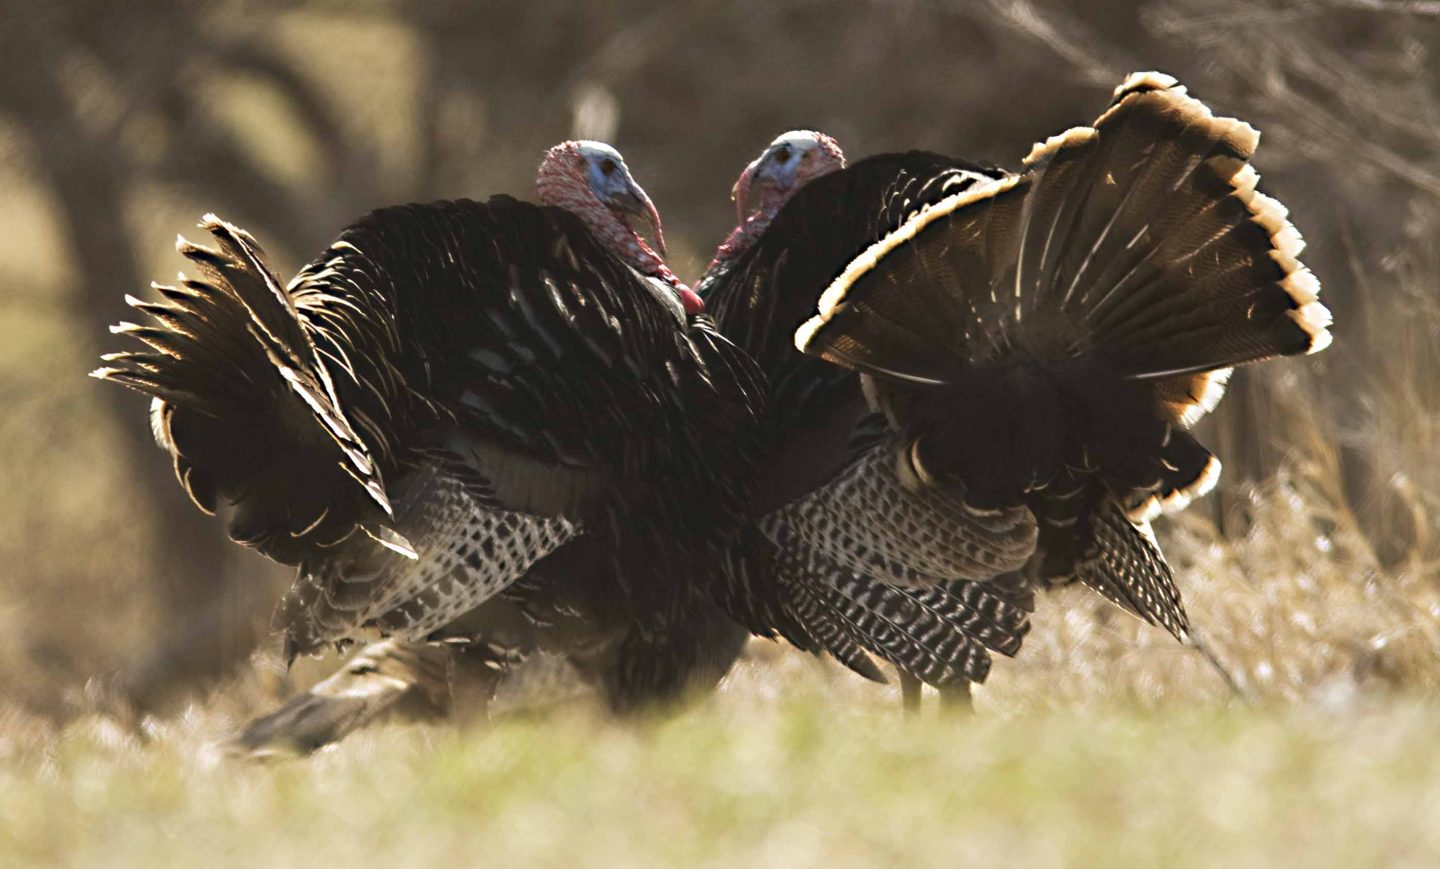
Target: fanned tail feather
[
  {"x": 276, "y": 324},
  {"x": 1045, "y": 338},
  {"x": 246, "y": 406},
  {"x": 1141, "y": 242}
]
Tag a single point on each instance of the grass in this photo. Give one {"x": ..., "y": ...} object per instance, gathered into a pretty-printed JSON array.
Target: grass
[{"x": 812, "y": 778}]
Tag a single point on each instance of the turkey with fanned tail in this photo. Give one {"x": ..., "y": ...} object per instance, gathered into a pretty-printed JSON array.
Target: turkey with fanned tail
[
  {"x": 833, "y": 520},
  {"x": 451, "y": 393},
  {"x": 1048, "y": 337},
  {"x": 1039, "y": 341}
]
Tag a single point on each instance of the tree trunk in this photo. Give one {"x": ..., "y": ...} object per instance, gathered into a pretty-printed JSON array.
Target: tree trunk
[
  {"x": 198, "y": 638},
  {"x": 199, "y": 633}
]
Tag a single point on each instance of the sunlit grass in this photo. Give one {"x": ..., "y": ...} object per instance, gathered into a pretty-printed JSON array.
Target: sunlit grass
[{"x": 807, "y": 780}]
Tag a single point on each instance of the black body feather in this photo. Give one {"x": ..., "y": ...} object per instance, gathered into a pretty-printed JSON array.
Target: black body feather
[{"x": 449, "y": 394}]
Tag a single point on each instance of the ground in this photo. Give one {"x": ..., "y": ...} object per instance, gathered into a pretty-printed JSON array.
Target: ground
[{"x": 814, "y": 777}]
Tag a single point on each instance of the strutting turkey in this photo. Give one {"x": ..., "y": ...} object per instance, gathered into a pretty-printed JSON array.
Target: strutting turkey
[
  {"x": 1042, "y": 339},
  {"x": 487, "y": 422},
  {"x": 784, "y": 587},
  {"x": 833, "y": 510},
  {"x": 451, "y": 394}
]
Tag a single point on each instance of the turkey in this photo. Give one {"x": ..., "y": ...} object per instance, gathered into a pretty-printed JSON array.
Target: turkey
[
  {"x": 451, "y": 398},
  {"x": 631, "y": 671},
  {"x": 497, "y": 424},
  {"x": 1040, "y": 340},
  {"x": 828, "y": 436}
]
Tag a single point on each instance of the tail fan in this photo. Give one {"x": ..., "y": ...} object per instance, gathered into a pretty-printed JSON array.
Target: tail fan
[
  {"x": 276, "y": 324},
  {"x": 1140, "y": 243},
  {"x": 1046, "y": 338},
  {"x": 245, "y": 404}
]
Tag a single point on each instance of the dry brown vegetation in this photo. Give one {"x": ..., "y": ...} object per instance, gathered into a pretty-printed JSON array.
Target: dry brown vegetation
[{"x": 1313, "y": 576}]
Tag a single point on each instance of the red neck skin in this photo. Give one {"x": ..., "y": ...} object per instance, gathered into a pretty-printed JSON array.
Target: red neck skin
[
  {"x": 753, "y": 226},
  {"x": 562, "y": 185},
  {"x": 740, "y": 238}
]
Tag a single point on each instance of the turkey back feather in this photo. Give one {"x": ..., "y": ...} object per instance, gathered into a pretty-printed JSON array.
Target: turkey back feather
[{"x": 1140, "y": 243}]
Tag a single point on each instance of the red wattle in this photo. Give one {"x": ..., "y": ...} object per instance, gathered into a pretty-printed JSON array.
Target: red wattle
[{"x": 692, "y": 302}]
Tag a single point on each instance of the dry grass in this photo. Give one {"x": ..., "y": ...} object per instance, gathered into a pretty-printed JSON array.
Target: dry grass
[{"x": 776, "y": 771}]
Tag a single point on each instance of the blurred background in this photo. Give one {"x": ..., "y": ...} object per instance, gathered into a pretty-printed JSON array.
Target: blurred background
[{"x": 1313, "y": 570}]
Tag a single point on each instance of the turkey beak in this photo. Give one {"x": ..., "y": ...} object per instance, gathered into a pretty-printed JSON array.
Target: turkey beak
[{"x": 635, "y": 202}]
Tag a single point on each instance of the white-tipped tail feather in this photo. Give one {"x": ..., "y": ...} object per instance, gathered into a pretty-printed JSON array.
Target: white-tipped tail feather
[{"x": 1147, "y": 293}]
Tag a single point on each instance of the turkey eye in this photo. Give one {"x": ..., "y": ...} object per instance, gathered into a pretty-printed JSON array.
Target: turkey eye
[
  {"x": 607, "y": 166},
  {"x": 782, "y": 156}
]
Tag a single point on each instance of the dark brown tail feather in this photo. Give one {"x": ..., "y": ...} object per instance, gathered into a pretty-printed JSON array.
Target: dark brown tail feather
[
  {"x": 1140, "y": 242},
  {"x": 1044, "y": 338},
  {"x": 232, "y": 368}
]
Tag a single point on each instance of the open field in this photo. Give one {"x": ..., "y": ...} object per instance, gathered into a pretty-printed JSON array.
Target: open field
[{"x": 800, "y": 780}]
